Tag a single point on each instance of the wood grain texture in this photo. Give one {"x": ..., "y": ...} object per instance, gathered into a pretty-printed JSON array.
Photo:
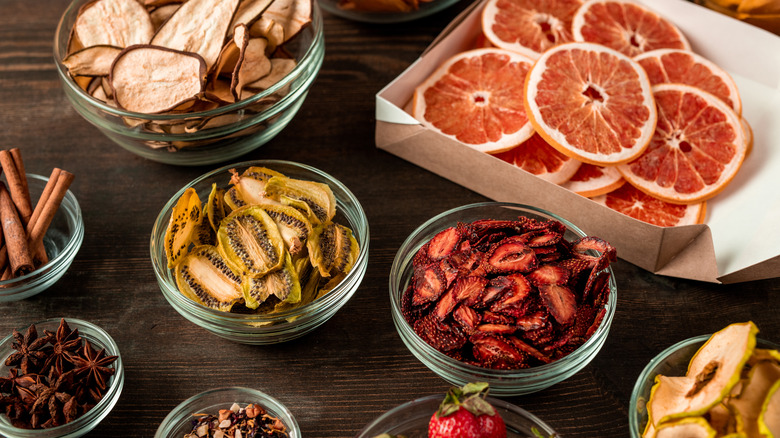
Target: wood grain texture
[{"x": 355, "y": 367}]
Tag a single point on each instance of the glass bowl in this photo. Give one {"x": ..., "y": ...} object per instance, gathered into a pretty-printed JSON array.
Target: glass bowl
[
  {"x": 236, "y": 128},
  {"x": 671, "y": 362},
  {"x": 85, "y": 423},
  {"x": 411, "y": 419},
  {"x": 425, "y": 9},
  {"x": 62, "y": 241},
  {"x": 282, "y": 326},
  {"x": 502, "y": 382},
  {"x": 178, "y": 422}
]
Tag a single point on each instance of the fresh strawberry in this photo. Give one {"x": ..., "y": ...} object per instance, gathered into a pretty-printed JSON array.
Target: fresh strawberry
[{"x": 464, "y": 413}]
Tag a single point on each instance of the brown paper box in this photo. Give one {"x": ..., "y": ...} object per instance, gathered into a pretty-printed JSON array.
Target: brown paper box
[{"x": 685, "y": 252}]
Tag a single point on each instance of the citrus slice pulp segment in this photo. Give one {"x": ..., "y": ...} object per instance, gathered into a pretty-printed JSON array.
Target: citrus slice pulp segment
[
  {"x": 475, "y": 98},
  {"x": 591, "y": 102},
  {"x": 641, "y": 206},
  {"x": 686, "y": 67},
  {"x": 536, "y": 156},
  {"x": 698, "y": 147},
  {"x": 591, "y": 180},
  {"x": 626, "y": 27},
  {"x": 528, "y": 26}
]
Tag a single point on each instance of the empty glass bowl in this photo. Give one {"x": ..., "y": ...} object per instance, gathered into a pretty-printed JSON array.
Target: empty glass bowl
[
  {"x": 62, "y": 241},
  {"x": 276, "y": 327},
  {"x": 223, "y": 133},
  {"x": 458, "y": 373}
]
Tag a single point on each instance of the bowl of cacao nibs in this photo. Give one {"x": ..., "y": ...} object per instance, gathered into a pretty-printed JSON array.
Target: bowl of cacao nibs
[
  {"x": 229, "y": 412},
  {"x": 58, "y": 378},
  {"x": 260, "y": 252},
  {"x": 189, "y": 83},
  {"x": 503, "y": 293}
]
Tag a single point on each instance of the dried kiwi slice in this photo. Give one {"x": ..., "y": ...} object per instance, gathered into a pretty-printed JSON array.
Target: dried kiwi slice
[
  {"x": 332, "y": 249},
  {"x": 249, "y": 187},
  {"x": 250, "y": 242},
  {"x": 314, "y": 199},
  {"x": 185, "y": 217},
  {"x": 215, "y": 207},
  {"x": 282, "y": 283},
  {"x": 293, "y": 226},
  {"x": 204, "y": 277}
]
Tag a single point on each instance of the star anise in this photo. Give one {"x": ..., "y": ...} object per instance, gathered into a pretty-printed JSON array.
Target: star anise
[
  {"x": 29, "y": 351},
  {"x": 63, "y": 341},
  {"x": 7, "y": 383},
  {"x": 50, "y": 396},
  {"x": 92, "y": 366}
]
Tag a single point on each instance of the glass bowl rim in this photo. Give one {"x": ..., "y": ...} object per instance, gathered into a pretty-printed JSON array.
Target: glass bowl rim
[
  {"x": 462, "y": 367},
  {"x": 179, "y": 412},
  {"x": 74, "y": 241},
  {"x": 330, "y": 299},
  {"x": 113, "y": 391},
  {"x": 309, "y": 57},
  {"x": 388, "y": 17}
]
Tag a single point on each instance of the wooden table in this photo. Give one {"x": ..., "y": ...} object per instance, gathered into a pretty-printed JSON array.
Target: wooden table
[{"x": 354, "y": 367}]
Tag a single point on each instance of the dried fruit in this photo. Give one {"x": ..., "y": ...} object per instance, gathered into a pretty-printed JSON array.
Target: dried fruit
[
  {"x": 282, "y": 284},
  {"x": 294, "y": 227},
  {"x": 520, "y": 293},
  {"x": 206, "y": 278},
  {"x": 251, "y": 242},
  {"x": 465, "y": 413},
  {"x": 185, "y": 217},
  {"x": 314, "y": 199},
  {"x": 332, "y": 248}
]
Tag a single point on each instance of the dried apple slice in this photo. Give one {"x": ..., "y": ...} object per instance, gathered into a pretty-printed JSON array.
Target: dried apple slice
[
  {"x": 755, "y": 389},
  {"x": 198, "y": 26},
  {"x": 769, "y": 419},
  {"x": 150, "y": 79},
  {"x": 92, "y": 61},
  {"x": 694, "y": 427},
  {"x": 119, "y": 23},
  {"x": 292, "y": 15}
]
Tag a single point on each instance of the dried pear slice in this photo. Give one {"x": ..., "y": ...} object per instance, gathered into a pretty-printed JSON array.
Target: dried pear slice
[
  {"x": 231, "y": 53},
  {"x": 292, "y": 15},
  {"x": 198, "y": 26},
  {"x": 204, "y": 277},
  {"x": 253, "y": 65},
  {"x": 748, "y": 404},
  {"x": 185, "y": 217},
  {"x": 315, "y": 199},
  {"x": 282, "y": 283},
  {"x": 119, "y": 23},
  {"x": 769, "y": 419},
  {"x": 249, "y": 11},
  {"x": 92, "y": 61},
  {"x": 151, "y": 79},
  {"x": 161, "y": 14},
  {"x": 280, "y": 67},
  {"x": 694, "y": 427},
  {"x": 332, "y": 249},
  {"x": 250, "y": 242},
  {"x": 215, "y": 207},
  {"x": 270, "y": 30},
  {"x": 293, "y": 226},
  {"x": 712, "y": 374}
]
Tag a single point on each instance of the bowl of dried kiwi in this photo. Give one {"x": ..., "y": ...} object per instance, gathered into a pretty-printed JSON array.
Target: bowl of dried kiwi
[{"x": 260, "y": 252}]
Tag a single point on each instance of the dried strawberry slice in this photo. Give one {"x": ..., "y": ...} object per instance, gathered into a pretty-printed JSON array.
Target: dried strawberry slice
[
  {"x": 421, "y": 256},
  {"x": 469, "y": 289},
  {"x": 596, "y": 323},
  {"x": 548, "y": 274},
  {"x": 496, "y": 318},
  {"x": 560, "y": 301},
  {"x": 576, "y": 265},
  {"x": 532, "y": 321},
  {"x": 511, "y": 256},
  {"x": 467, "y": 318},
  {"x": 495, "y": 288},
  {"x": 538, "y": 238},
  {"x": 438, "y": 335},
  {"x": 596, "y": 285},
  {"x": 529, "y": 350},
  {"x": 494, "y": 352},
  {"x": 444, "y": 243},
  {"x": 445, "y": 305},
  {"x": 501, "y": 329},
  {"x": 429, "y": 283},
  {"x": 518, "y": 291},
  {"x": 450, "y": 272},
  {"x": 465, "y": 261}
]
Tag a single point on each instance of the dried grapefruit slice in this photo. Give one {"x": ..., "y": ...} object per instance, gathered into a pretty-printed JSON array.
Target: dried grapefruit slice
[
  {"x": 626, "y": 27},
  {"x": 698, "y": 147},
  {"x": 685, "y": 67},
  {"x": 536, "y": 156},
  {"x": 641, "y": 206},
  {"x": 528, "y": 26},
  {"x": 591, "y": 180},
  {"x": 474, "y": 98},
  {"x": 591, "y": 102}
]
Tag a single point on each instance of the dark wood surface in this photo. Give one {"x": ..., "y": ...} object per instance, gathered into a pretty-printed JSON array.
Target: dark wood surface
[{"x": 354, "y": 367}]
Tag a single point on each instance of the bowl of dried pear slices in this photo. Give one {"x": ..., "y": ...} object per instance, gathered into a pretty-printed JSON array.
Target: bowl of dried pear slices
[
  {"x": 260, "y": 252},
  {"x": 143, "y": 73}
]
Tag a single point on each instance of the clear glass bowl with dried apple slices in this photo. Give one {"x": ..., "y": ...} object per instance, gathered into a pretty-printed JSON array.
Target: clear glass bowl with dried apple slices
[
  {"x": 260, "y": 252},
  {"x": 149, "y": 81}
]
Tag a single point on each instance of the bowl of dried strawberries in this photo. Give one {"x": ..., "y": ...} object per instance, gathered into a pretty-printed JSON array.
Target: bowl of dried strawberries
[
  {"x": 503, "y": 293},
  {"x": 58, "y": 378},
  {"x": 154, "y": 86},
  {"x": 260, "y": 252}
]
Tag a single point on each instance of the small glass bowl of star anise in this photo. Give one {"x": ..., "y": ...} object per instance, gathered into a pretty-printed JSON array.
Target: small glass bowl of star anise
[{"x": 58, "y": 378}]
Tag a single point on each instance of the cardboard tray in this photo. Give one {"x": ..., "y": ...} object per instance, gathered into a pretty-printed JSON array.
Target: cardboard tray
[{"x": 740, "y": 239}]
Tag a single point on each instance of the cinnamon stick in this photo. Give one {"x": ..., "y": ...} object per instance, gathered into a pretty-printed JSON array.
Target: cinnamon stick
[
  {"x": 17, "y": 156},
  {"x": 49, "y": 209},
  {"x": 39, "y": 252},
  {"x": 19, "y": 256},
  {"x": 20, "y": 197}
]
